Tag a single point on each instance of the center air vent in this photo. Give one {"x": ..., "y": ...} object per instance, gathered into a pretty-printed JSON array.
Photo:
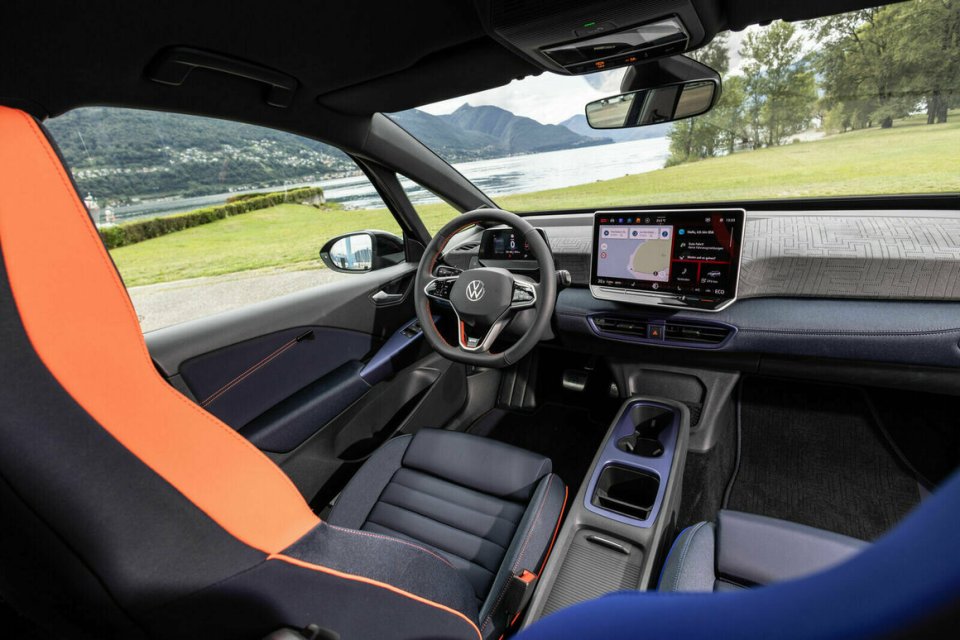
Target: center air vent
[
  {"x": 696, "y": 333},
  {"x": 637, "y": 328},
  {"x": 664, "y": 332}
]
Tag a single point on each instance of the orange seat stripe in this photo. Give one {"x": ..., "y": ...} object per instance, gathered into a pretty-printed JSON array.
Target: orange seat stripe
[
  {"x": 82, "y": 325},
  {"x": 375, "y": 583}
]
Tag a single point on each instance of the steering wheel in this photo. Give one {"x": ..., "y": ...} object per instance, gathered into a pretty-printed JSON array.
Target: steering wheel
[{"x": 486, "y": 299}]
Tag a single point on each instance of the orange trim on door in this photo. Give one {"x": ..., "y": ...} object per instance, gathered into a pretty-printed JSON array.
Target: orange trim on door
[
  {"x": 82, "y": 325},
  {"x": 375, "y": 583}
]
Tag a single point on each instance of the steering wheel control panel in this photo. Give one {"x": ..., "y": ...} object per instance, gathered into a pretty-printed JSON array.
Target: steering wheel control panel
[{"x": 684, "y": 258}]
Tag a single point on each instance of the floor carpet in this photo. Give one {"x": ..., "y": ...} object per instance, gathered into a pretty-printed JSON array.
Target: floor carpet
[{"x": 811, "y": 454}]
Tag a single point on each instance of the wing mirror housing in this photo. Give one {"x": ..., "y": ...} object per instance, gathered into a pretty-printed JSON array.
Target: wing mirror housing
[
  {"x": 362, "y": 251},
  {"x": 659, "y": 91}
]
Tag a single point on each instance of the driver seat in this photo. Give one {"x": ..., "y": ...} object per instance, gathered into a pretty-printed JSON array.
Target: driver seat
[{"x": 129, "y": 511}]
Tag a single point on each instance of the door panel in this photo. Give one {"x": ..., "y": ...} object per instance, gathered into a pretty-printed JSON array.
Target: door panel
[
  {"x": 289, "y": 423},
  {"x": 345, "y": 304},
  {"x": 319, "y": 378},
  {"x": 242, "y": 381}
]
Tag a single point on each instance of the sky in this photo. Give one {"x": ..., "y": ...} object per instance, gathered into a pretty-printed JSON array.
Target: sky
[{"x": 551, "y": 98}]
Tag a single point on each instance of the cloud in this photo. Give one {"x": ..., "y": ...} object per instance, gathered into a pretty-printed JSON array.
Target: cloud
[
  {"x": 552, "y": 98},
  {"x": 549, "y": 98}
]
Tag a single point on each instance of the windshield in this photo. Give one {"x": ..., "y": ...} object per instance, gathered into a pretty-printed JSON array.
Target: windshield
[{"x": 862, "y": 103}]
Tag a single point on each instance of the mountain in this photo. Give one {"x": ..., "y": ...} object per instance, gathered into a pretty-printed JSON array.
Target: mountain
[
  {"x": 519, "y": 134},
  {"x": 471, "y": 133},
  {"x": 124, "y": 154},
  {"x": 578, "y": 124},
  {"x": 447, "y": 139}
]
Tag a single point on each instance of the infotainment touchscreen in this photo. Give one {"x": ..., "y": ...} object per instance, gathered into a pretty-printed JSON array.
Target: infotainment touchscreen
[{"x": 685, "y": 258}]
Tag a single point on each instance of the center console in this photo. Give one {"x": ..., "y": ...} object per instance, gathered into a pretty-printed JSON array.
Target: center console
[
  {"x": 629, "y": 482},
  {"x": 624, "y": 513}
]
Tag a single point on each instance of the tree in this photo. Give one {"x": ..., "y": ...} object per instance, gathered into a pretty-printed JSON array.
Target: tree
[
  {"x": 928, "y": 52},
  {"x": 780, "y": 87},
  {"x": 697, "y": 138},
  {"x": 879, "y": 64},
  {"x": 729, "y": 116}
]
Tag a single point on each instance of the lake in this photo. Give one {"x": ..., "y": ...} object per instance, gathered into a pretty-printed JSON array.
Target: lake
[{"x": 497, "y": 176}]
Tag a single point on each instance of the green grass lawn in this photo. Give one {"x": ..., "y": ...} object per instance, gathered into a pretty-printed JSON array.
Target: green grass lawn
[{"x": 911, "y": 157}]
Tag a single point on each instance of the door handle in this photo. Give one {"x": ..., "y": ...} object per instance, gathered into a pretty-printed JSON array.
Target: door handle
[{"x": 382, "y": 297}]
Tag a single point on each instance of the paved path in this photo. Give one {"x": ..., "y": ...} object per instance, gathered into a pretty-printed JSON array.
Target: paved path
[{"x": 162, "y": 305}]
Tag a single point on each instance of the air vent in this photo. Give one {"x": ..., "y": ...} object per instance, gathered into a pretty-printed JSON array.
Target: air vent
[
  {"x": 467, "y": 246},
  {"x": 696, "y": 333},
  {"x": 663, "y": 332},
  {"x": 623, "y": 326}
]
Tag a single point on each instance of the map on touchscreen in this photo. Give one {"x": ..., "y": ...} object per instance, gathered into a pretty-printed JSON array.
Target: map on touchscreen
[{"x": 635, "y": 252}]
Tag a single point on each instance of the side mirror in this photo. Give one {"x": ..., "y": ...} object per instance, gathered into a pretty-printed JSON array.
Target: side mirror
[
  {"x": 362, "y": 251},
  {"x": 659, "y": 91}
]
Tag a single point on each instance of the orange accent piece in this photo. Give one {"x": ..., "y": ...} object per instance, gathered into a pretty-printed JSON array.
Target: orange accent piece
[
  {"x": 82, "y": 325},
  {"x": 527, "y": 576},
  {"x": 376, "y": 583}
]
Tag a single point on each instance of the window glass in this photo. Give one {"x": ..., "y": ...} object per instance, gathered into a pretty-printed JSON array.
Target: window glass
[
  {"x": 203, "y": 215},
  {"x": 861, "y": 103}
]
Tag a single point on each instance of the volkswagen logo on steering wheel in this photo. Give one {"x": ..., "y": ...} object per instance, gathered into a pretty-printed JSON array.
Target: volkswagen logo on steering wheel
[{"x": 475, "y": 290}]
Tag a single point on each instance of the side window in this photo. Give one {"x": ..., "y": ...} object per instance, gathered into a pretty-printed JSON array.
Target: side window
[{"x": 203, "y": 215}]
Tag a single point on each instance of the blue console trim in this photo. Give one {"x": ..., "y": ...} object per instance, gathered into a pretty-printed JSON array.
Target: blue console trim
[
  {"x": 659, "y": 466},
  {"x": 383, "y": 363}
]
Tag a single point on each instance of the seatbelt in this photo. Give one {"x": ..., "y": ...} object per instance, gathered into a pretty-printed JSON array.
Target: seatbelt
[{"x": 519, "y": 592}]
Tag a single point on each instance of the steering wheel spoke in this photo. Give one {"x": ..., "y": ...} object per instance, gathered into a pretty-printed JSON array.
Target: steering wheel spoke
[
  {"x": 525, "y": 294},
  {"x": 480, "y": 344},
  {"x": 440, "y": 288}
]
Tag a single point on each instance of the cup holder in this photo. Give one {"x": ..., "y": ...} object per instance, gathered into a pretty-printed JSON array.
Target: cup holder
[
  {"x": 627, "y": 491},
  {"x": 648, "y": 421},
  {"x": 646, "y": 447}
]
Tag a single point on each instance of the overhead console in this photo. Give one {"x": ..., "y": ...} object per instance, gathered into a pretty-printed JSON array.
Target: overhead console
[
  {"x": 687, "y": 258},
  {"x": 576, "y": 37}
]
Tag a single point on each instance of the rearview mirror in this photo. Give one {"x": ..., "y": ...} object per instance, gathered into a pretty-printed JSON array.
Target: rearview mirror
[
  {"x": 362, "y": 251},
  {"x": 653, "y": 106},
  {"x": 658, "y": 91}
]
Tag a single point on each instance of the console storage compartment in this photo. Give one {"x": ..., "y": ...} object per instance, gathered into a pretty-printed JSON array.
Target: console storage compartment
[{"x": 625, "y": 490}]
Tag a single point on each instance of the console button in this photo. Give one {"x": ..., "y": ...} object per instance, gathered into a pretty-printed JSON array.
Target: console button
[{"x": 655, "y": 331}]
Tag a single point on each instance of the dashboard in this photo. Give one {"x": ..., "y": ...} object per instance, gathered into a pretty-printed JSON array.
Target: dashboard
[{"x": 864, "y": 285}]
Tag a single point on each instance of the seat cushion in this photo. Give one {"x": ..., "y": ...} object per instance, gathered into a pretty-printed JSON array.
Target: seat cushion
[
  {"x": 744, "y": 550},
  {"x": 488, "y": 508}
]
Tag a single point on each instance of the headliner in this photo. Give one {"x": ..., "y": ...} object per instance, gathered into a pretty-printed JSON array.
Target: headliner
[{"x": 350, "y": 59}]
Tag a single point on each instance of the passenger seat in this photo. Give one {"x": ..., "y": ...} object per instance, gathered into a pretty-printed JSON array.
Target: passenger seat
[{"x": 743, "y": 550}]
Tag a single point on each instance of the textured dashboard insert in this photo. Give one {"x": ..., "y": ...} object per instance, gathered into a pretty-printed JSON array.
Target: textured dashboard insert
[{"x": 852, "y": 257}]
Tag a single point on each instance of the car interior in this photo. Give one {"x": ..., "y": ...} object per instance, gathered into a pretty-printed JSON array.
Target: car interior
[{"x": 484, "y": 430}]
